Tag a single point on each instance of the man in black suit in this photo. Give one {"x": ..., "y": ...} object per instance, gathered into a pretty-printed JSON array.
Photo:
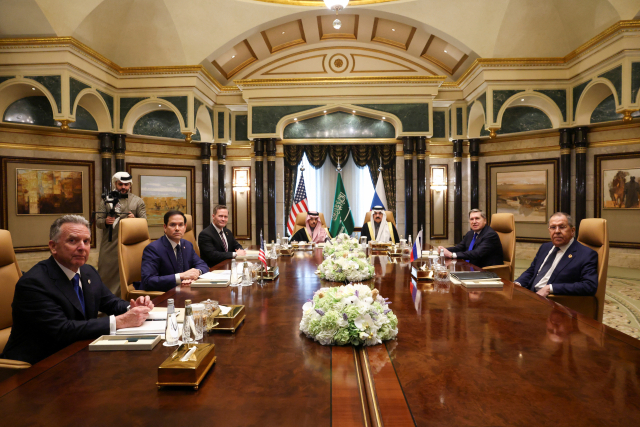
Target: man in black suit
[
  {"x": 481, "y": 246},
  {"x": 216, "y": 242},
  {"x": 56, "y": 303},
  {"x": 562, "y": 266}
]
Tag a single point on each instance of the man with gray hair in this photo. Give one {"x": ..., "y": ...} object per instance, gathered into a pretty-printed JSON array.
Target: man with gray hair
[
  {"x": 56, "y": 303},
  {"x": 562, "y": 266},
  {"x": 128, "y": 205},
  {"x": 480, "y": 246}
]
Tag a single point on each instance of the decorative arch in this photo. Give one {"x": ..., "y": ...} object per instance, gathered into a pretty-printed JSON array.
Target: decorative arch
[
  {"x": 18, "y": 88},
  {"x": 146, "y": 106},
  {"x": 90, "y": 100},
  {"x": 345, "y": 108},
  {"x": 203, "y": 124},
  {"x": 537, "y": 100},
  {"x": 476, "y": 120},
  {"x": 592, "y": 96}
]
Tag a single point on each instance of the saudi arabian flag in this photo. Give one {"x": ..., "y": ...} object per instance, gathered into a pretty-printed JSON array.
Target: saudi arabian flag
[{"x": 341, "y": 219}]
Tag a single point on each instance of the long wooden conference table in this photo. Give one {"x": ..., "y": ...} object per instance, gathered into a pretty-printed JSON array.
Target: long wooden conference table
[{"x": 500, "y": 358}]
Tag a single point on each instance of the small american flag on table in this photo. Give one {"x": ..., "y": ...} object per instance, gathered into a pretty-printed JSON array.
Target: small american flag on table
[
  {"x": 261, "y": 255},
  {"x": 299, "y": 204}
]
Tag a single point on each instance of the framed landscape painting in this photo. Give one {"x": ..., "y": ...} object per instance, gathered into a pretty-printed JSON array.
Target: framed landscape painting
[
  {"x": 523, "y": 194},
  {"x": 48, "y": 192},
  {"x": 620, "y": 188}
]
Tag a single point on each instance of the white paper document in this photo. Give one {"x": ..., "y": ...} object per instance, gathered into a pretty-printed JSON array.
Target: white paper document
[
  {"x": 160, "y": 313},
  {"x": 150, "y": 327},
  {"x": 249, "y": 255},
  {"x": 216, "y": 276}
]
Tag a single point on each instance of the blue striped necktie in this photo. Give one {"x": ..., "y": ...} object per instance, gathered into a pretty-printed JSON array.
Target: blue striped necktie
[
  {"x": 78, "y": 289},
  {"x": 179, "y": 258},
  {"x": 473, "y": 242}
]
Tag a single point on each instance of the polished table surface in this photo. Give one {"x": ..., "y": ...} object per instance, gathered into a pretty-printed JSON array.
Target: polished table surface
[{"x": 501, "y": 357}]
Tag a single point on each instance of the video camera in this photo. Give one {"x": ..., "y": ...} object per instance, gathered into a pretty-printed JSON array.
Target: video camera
[{"x": 111, "y": 200}]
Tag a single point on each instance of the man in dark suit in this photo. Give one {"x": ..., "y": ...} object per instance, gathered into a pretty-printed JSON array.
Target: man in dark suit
[
  {"x": 56, "y": 303},
  {"x": 216, "y": 241},
  {"x": 481, "y": 246},
  {"x": 170, "y": 261},
  {"x": 562, "y": 266}
]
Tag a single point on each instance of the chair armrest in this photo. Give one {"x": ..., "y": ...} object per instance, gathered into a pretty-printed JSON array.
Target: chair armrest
[
  {"x": 13, "y": 364},
  {"x": 503, "y": 271},
  {"x": 139, "y": 293}
]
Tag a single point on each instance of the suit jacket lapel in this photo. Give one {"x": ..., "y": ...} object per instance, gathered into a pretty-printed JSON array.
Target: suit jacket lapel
[
  {"x": 64, "y": 284},
  {"x": 89, "y": 297},
  {"x": 170, "y": 253},
  {"x": 564, "y": 261},
  {"x": 217, "y": 236}
]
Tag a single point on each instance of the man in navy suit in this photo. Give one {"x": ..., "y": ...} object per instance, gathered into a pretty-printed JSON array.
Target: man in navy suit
[
  {"x": 170, "y": 261},
  {"x": 480, "y": 246},
  {"x": 56, "y": 303},
  {"x": 562, "y": 266},
  {"x": 216, "y": 241}
]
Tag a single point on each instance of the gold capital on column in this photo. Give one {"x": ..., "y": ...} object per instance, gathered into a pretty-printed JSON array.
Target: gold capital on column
[
  {"x": 492, "y": 132},
  {"x": 64, "y": 125},
  {"x": 565, "y": 151},
  {"x": 474, "y": 158},
  {"x": 119, "y": 155},
  {"x": 271, "y": 158},
  {"x": 259, "y": 158},
  {"x": 627, "y": 115},
  {"x": 187, "y": 136}
]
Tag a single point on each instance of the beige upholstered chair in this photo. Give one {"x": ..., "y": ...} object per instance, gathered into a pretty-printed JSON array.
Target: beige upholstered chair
[
  {"x": 190, "y": 235},
  {"x": 9, "y": 275},
  {"x": 505, "y": 225},
  {"x": 300, "y": 221},
  {"x": 390, "y": 218},
  {"x": 133, "y": 237},
  {"x": 593, "y": 234}
]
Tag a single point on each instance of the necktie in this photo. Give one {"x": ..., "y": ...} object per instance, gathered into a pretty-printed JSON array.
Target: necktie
[
  {"x": 546, "y": 266},
  {"x": 179, "y": 258},
  {"x": 78, "y": 289},
  {"x": 224, "y": 242},
  {"x": 473, "y": 242}
]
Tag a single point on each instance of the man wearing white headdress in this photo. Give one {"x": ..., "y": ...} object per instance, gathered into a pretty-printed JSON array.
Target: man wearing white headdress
[
  {"x": 379, "y": 228},
  {"x": 313, "y": 231},
  {"x": 128, "y": 206}
]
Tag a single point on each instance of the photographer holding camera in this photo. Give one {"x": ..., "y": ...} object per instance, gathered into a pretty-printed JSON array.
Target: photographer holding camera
[{"x": 117, "y": 205}]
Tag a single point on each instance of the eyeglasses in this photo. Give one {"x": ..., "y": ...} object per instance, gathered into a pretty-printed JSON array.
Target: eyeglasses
[{"x": 561, "y": 227}]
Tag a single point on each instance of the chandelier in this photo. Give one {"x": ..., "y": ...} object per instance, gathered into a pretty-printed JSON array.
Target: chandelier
[{"x": 336, "y": 5}]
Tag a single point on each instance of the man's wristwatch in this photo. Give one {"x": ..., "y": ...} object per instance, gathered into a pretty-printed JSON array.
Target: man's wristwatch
[{"x": 453, "y": 255}]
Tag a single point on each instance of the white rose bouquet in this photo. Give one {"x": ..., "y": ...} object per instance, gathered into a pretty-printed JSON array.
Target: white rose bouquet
[
  {"x": 351, "y": 268},
  {"x": 340, "y": 243},
  {"x": 350, "y": 314}
]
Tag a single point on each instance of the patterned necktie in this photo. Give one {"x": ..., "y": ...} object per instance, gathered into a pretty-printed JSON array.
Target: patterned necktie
[
  {"x": 473, "y": 242},
  {"x": 76, "y": 287},
  {"x": 224, "y": 242},
  {"x": 179, "y": 258},
  {"x": 547, "y": 265}
]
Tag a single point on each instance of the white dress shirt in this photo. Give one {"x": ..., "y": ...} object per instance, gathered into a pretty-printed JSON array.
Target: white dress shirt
[
  {"x": 545, "y": 279},
  {"x": 70, "y": 274}
]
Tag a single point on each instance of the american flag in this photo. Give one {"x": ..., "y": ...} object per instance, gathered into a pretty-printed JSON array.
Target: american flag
[
  {"x": 299, "y": 204},
  {"x": 261, "y": 254}
]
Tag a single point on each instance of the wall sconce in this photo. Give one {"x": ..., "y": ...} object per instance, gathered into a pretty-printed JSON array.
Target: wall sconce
[
  {"x": 241, "y": 178},
  {"x": 439, "y": 178},
  {"x": 241, "y": 201},
  {"x": 438, "y": 208}
]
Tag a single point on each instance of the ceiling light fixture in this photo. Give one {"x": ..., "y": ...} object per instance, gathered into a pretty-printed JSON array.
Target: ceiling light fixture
[
  {"x": 159, "y": 105},
  {"x": 337, "y": 6},
  {"x": 33, "y": 88},
  {"x": 233, "y": 56},
  {"x": 283, "y": 32},
  {"x": 295, "y": 118},
  {"x": 383, "y": 118},
  {"x": 325, "y": 111},
  {"x": 393, "y": 29},
  {"x": 522, "y": 99},
  {"x": 445, "y": 51},
  {"x": 354, "y": 111}
]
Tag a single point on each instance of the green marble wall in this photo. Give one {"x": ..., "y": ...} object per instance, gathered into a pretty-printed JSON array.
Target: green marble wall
[
  {"x": 484, "y": 132},
  {"x": 75, "y": 87},
  {"x": 439, "y": 124},
  {"x": 159, "y": 123},
  {"x": 196, "y": 136},
  {"x": 339, "y": 125},
  {"x": 459, "y": 121},
  {"x": 577, "y": 93},
  {"x": 615, "y": 77},
  {"x": 414, "y": 117},
  {"x": 5, "y": 78},
  {"x": 242, "y": 123},
  {"x": 483, "y": 100},
  {"x": 499, "y": 98},
  {"x": 635, "y": 80},
  {"x": 108, "y": 99},
  {"x": 126, "y": 104},
  {"x": 523, "y": 119},
  {"x": 559, "y": 96},
  {"x": 606, "y": 111},
  {"x": 36, "y": 110},
  {"x": 265, "y": 119},
  {"x": 53, "y": 84},
  {"x": 181, "y": 103},
  {"x": 221, "y": 124},
  {"x": 196, "y": 104}
]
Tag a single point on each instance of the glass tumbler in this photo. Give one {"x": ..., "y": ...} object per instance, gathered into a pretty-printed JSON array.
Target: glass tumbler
[{"x": 198, "y": 319}]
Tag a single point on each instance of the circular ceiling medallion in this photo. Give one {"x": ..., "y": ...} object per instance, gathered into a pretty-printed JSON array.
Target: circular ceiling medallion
[{"x": 338, "y": 63}]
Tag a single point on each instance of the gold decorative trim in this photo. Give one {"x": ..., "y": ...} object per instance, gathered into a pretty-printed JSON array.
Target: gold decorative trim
[
  {"x": 239, "y": 158},
  {"x": 206, "y": 161},
  {"x": 346, "y": 60},
  {"x": 421, "y": 156},
  {"x": 474, "y": 158},
  {"x": 37, "y": 147},
  {"x": 441, "y": 155},
  {"x": 627, "y": 115},
  {"x": 339, "y": 36},
  {"x": 520, "y": 151},
  {"x": 340, "y": 80},
  {"x": 259, "y": 158},
  {"x": 274, "y": 49},
  {"x": 614, "y": 143},
  {"x": 331, "y": 141},
  {"x": 492, "y": 132},
  {"x": 502, "y": 138},
  {"x": 581, "y": 150},
  {"x": 240, "y": 67},
  {"x": 280, "y": 155},
  {"x": 457, "y": 159},
  {"x": 173, "y": 156},
  {"x": 120, "y": 156},
  {"x": 565, "y": 151},
  {"x": 317, "y": 3},
  {"x": 400, "y": 45},
  {"x": 353, "y": 67},
  {"x": 607, "y": 128},
  {"x": 76, "y": 134},
  {"x": 408, "y": 156},
  {"x": 271, "y": 158},
  {"x": 222, "y": 161},
  {"x": 324, "y": 69},
  {"x": 106, "y": 155}
]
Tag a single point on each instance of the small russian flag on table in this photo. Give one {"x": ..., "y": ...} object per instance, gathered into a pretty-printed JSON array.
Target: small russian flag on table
[{"x": 416, "y": 252}]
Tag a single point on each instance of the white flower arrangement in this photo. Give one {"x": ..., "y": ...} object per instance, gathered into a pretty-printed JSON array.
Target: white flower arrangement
[
  {"x": 349, "y": 314},
  {"x": 342, "y": 242},
  {"x": 352, "y": 267}
]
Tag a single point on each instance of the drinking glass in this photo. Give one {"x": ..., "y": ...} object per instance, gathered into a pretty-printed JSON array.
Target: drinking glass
[{"x": 198, "y": 319}]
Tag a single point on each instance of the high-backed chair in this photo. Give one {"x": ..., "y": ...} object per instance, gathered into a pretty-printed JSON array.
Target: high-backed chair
[
  {"x": 133, "y": 237},
  {"x": 595, "y": 235},
  {"x": 390, "y": 218},
  {"x": 301, "y": 219},
  {"x": 505, "y": 225},
  {"x": 190, "y": 235},
  {"x": 9, "y": 275}
]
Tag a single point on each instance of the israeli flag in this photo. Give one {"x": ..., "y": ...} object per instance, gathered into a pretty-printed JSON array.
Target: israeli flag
[{"x": 379, "y": 197}]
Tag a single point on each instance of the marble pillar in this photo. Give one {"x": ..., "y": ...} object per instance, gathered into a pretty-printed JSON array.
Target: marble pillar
[
  {"x": 258, "y": 146},
  {"x": 205, "y": 158},
  {"x": 106, "y": 153},
  {"x": 271, "y": 188},
  {"x": 120, "y": 147},
  {"x": 421, "y": 149},
  {"x": 474, "y": 178},
  {"x": 565, "y": 170},
  {"x": 581, "y": 142},
  {"x": 222, "y": 165},
  {"x": 408, "y": 146},
  {"x": 457, "y": 190}
]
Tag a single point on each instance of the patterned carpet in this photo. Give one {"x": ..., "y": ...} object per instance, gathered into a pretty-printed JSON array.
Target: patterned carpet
[{"x": 622, "y": 301}]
